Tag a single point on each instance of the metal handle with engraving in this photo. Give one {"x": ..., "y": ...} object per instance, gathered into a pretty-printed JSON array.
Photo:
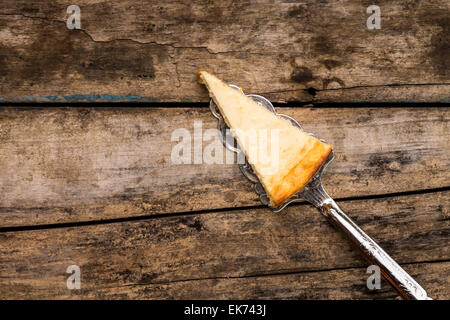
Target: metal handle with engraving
[
  {"x": 315, "y": 194},
  {"x": 390, "y": 269}
]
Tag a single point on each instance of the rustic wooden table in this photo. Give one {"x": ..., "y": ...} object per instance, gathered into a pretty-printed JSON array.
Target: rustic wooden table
[{"x": 86, "y": 124}]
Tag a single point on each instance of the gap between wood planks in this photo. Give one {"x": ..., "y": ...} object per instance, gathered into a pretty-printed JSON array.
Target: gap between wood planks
[{"x": 197, "y": 212}]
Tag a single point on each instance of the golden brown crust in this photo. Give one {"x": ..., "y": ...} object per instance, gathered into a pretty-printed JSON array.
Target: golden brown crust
[{"x": 300, "y": 175}]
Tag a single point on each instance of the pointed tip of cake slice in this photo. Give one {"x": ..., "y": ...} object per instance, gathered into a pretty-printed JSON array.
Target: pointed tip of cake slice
[
  {"x": 203, "y": 76},
  {"x": 200, "y": 73}
]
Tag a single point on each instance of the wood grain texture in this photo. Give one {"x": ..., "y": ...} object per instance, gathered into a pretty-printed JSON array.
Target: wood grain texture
[
  {"x": 149, "y": 50},
  {"x": 80, "y": 164},
  {"x": 335, "y": 284},
  {"x": 153, "y": 258}
]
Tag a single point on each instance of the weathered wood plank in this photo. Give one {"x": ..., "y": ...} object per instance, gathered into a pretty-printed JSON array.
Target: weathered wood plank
[
  {"x": 150, "y": 50},
  {"x": 336, "y": 284},
  {"x": 144, "y": 255},
  {"x": 79, "y": 164}
]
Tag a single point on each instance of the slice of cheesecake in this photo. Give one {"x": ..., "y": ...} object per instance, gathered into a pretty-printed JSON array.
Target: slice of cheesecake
[{"x": 283, "y": 156}]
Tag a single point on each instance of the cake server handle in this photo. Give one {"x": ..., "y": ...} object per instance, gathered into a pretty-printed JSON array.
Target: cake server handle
[{"x": 390, "y": 269}]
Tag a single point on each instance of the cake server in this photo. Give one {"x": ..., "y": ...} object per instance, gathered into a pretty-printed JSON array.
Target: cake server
[{"x": 315, "y": 194}]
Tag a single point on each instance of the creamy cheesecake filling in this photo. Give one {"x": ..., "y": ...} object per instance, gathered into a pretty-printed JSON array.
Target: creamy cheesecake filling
[{"x": 293, "y": 156}]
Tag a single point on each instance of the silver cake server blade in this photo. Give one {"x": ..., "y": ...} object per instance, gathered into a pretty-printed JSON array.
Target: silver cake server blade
[{"x": 315, "y": 194}]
